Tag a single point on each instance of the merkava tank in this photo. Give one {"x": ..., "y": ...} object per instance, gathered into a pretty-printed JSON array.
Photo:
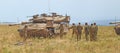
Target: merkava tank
[
  {"x": 44, "y": 25},
  {"x": 117, "y": 27}
]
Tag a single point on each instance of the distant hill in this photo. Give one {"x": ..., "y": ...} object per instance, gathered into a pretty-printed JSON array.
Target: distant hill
[
  {"x": 104, "y": 22},
  {"x": 7, "y": 23},
  {"x": 100, "y": 22}
]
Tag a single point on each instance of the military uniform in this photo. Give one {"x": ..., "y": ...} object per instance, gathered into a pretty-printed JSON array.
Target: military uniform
[
  {"x": 91, "y": 33},
  {"x": 74, "y": 30},
  {"x": 86, "y": 30},
  {"x": 79, "y": 29},
  {"x": 61, "y": 30},
  {"x": 25, "y": 33},
  {"x": 95, "y": 28}
]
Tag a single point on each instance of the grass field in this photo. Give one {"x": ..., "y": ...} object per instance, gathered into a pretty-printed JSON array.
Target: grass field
[{"x": 108, "y": 42}]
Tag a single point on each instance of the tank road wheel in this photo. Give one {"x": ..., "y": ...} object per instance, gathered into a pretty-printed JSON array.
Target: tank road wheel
[{"x": 51, "y": 34}]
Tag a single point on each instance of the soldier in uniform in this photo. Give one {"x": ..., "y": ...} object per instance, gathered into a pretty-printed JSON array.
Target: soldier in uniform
[
  {"x": 74, "y": 29},
  {"x": 86, "y": 30},
  {"x": 61, "y": 30},
  {"x": 25, "y": 33},
  {"x": 95, "y": 31},
  {"x": 91, "y": 32},
  {"x": 79, "y": 29}
]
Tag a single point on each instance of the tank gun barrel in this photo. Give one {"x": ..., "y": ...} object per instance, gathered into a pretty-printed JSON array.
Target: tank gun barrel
[
  {"x": 26, "y": 22},
  {"x": 13, "y": 24},
  {"x": 114, "y": 22}
]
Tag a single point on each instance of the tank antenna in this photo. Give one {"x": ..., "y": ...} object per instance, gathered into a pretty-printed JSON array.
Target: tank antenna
[
  {"x": 115, "y": 20},
  {"x": 49, "y": 6},
  {"x": 17, "y": 19}
]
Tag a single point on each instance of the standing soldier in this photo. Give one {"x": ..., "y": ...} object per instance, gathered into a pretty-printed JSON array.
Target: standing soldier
[
  {"x": 61, "y": 30},
  {"x": 86, "y": 30},
  {"x": 91, "y": 32},
  {"x": 79, "y": 29},
  {"x": 74, "y": 29},
  {"x": 95, "y": 31},
  {"x": 25, "y": 33}
]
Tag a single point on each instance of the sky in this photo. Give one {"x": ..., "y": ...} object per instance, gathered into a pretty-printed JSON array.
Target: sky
[{"x": 79, "y": 10}]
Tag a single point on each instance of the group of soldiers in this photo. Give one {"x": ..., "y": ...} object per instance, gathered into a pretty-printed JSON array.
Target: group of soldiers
[{"x": 90, "y": 31}]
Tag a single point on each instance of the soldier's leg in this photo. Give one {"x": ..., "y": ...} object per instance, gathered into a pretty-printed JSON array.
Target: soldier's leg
[
  {"x": 77, "y": 34},
  {"x": 61, "y": 36},
  {"x": 77, "y": 37},
  {"x": 90, "y": 37},
  {"x": 95, "y": 36},
  {"x": 60, "y": 33},
  {"x": 25, "y": 37},
  {"x": 86, "y": 36},
  {"x": 80, "y": 35},
  {"x": 73, "y": 34}
]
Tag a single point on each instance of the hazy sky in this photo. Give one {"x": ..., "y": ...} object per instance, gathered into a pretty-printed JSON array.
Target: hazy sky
[{"x": 79, "y": 10}]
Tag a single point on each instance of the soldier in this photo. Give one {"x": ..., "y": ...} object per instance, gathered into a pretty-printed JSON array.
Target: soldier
[
  {"x": 86, "y": 30},
  {"x": 74, "y": 29},
  {"x": 25, "y": 33},
  {"x": 95, "y": 31},
  {"x": 61, "y": 30},
  {"x": 79, "y": 29},
  {"x": 91, "y": 32}
]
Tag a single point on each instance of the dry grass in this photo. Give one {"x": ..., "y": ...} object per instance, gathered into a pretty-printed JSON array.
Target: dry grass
[{"x": 108, "y": 42}]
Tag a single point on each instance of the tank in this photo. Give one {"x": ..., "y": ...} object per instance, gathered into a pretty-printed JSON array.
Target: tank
[
  {"x": 117, "y": 27},
  {"x": 44, "y": 25}
]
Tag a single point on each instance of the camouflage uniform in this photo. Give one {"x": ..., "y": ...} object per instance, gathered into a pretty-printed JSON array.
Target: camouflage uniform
[
  {"x": 79, "y": 29},
  {"x": 25, "y": 33},
  {"x": 86, "y": 30},
  {"x": 95, "y": 28},
  {"x": 74, "y": 30},
  {"x": 61, "y": 30},
  {"x": 91, "y": 32}
]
